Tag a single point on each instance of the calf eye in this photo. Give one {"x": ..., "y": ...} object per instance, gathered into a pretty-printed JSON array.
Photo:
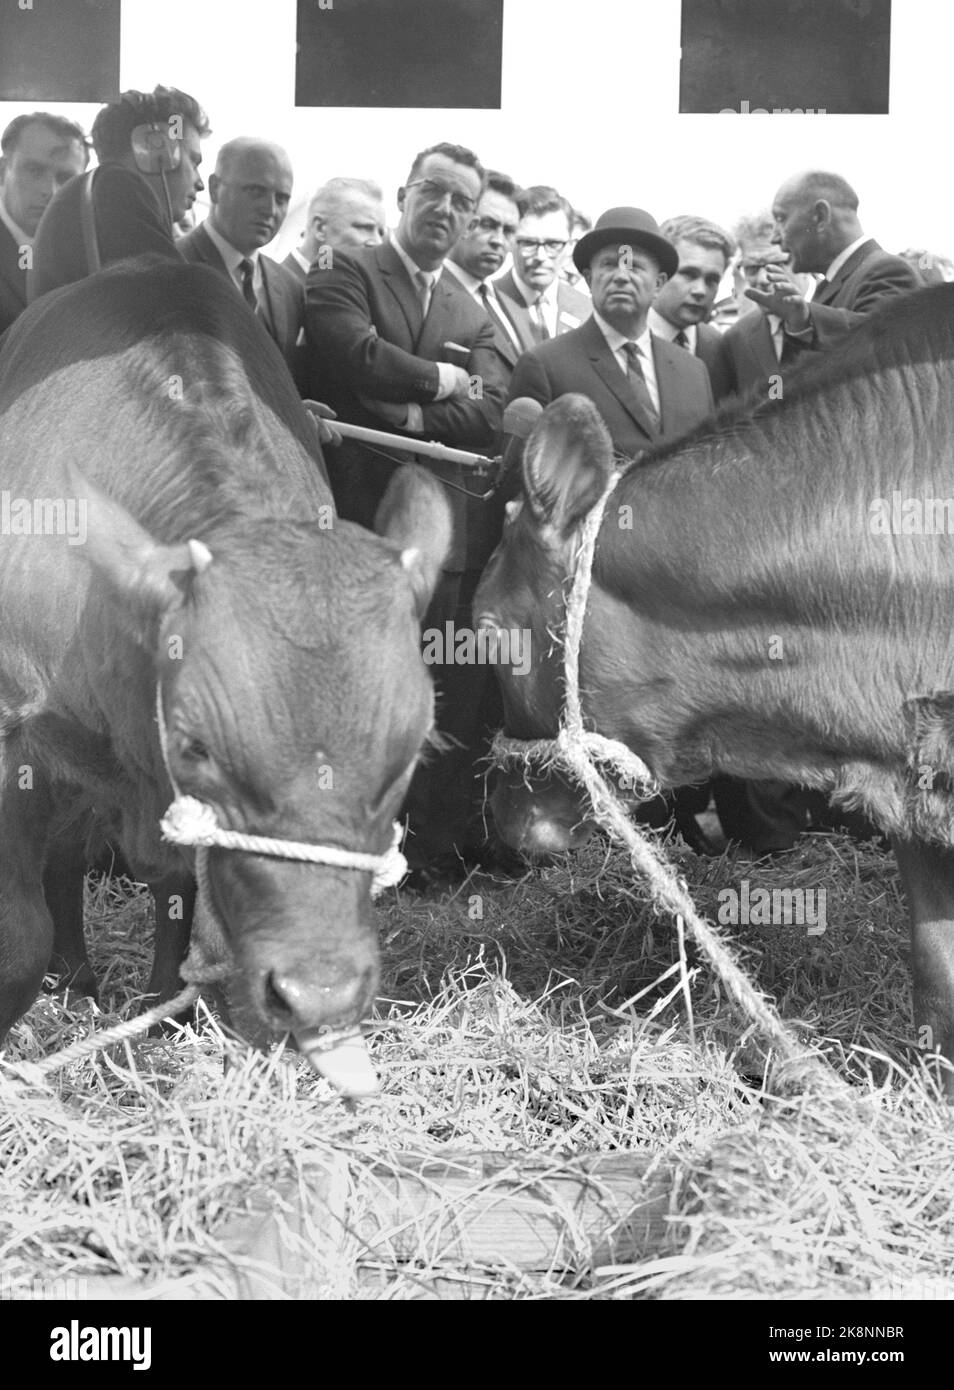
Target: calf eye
[{"x": 194, "y": 750}]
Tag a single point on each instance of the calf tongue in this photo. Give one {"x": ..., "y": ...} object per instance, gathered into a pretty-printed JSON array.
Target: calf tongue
[{"x": 341, "y": 1058}]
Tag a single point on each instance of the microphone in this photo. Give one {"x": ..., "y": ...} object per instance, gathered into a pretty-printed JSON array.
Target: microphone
[{"x": 519, "y": 418}]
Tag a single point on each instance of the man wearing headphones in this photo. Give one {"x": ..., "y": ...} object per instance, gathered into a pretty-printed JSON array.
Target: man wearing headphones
[{"x": 149, "y": 152}]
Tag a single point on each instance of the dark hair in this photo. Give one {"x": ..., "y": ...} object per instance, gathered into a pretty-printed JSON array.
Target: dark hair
[
  {"x": 460, "y": 154},
  {"x": 701, "y": 231},
  {"x": 68, "y": 131},
  {"x": 538, "y": 199},
  {"x": 502, "y": 184},
  {"x": 115, "y": 123}
]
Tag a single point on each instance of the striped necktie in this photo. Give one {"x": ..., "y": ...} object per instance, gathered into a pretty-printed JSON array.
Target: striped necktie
[
  {"x": 681, "y": 340},
  {"x": 248, "y": 282},
  {"x": 538, "y": 323},
  {"x": 637, "y": 380}
]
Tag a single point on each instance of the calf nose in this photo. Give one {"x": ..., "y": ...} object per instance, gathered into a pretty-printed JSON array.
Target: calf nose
[{"x": 315, "y": 998}]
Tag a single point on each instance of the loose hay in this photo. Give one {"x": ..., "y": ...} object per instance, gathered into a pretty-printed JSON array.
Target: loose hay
[{"x": 543, "y": 1021}]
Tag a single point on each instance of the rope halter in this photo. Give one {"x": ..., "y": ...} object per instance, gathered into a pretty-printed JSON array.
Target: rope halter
[{"x": 572, "y": 739}]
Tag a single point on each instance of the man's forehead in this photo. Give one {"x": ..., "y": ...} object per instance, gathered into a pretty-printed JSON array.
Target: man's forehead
[
  {"x": 498, "y": 205},
  {"x": 440, "y": 165},
  {"x": 38, "y": 140},
  {"x": 694, "y": 253},
  {"x": 259, "y": 166},
  {"x": 357, "y": 204}
]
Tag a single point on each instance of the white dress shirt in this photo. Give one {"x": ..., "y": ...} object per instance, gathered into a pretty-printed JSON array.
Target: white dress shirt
[
  {"x": 843, "y": 256},
  {"x": 305, "y": 265},
  {"x": 546, "y": 305},
  {"x": 473, "y": 287},
  {"x": 644, "y": 342},
  {"x": 662, "y": 328},
  {"x": 233, "y": 260}
]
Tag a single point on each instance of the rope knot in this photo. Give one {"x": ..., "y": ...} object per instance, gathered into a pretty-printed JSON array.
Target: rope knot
[{"x": 189, "y": 821}]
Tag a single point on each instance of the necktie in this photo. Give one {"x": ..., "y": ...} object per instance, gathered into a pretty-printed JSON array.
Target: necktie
[
  {"x": 537, "y": 322},
  {"x": 637, "y": 380},
  {"x": 425, "y": 284},
  {"x": 495, "y": 312},
  {"x": 681, "y": 340},
  {"x": 248, "y": 283},
  {"x": 821, "y": 289}
]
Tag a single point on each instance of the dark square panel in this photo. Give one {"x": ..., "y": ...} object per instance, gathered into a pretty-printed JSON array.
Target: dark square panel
[
  {"x": 399, "y": 53},
  {"x": 808, "y": 55},
  {"x": 67, "y": 50}
]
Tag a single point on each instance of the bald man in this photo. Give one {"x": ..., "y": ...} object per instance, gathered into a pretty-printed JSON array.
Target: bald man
[
  {"x": 250, "y": 193},
  {"x": 344, "y": 212},
  {"x": 816, "y": 223}
]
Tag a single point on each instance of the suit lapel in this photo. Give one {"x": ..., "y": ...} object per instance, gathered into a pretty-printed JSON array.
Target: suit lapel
[
  {"x": 397, "y": 282},
  {"x": 439, "y": 323},
  {"x": 832, "y": 287},
  {"x": 608, "y": 370},
  {"x": 272, "y": 306},
  {"x": 760, "y": 345},
  {"x": 517, "y": 309},
  {"x": 209, "y": 252},
  {"x": 667, "y": 384}
]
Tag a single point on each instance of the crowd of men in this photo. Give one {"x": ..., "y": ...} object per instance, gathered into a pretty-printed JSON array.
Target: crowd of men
[{"x": 485, "y": 291}]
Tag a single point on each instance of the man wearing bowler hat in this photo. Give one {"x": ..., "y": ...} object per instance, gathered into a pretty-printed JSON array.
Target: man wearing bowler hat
[{"x": 646, "y": 389}]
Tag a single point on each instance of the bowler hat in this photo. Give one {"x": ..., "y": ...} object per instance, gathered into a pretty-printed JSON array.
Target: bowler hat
[{"x": 626, "y": 227}]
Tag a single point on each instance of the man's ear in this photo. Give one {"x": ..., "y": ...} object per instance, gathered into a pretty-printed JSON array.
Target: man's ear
[
  {"x": 318, "y": 224},
  {"x": 401, "y": 199},
  {"x": 214, "y": 182}
]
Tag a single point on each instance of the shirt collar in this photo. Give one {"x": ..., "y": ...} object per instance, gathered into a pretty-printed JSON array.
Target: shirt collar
[
  {"x": 305, "y": 265},
  {"x": 232, "y": 258},
  {"x": 18, "y": 234},
  {"x": 616, "y": 339},
  {"x": 411, "y": 265},
  {"x": 532, "y": 296},
  {"x": 470, "y": 282},
  {"x": 662, "y": 328},
  {"x": 843, "y": 256}
]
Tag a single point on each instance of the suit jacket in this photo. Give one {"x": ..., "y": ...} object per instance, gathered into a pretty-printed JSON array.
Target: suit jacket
[
  {"x": 128, "y": 218},
  {"x": 583, "y": 361},
  {"x": 507, "y": 350},
  {"x": 370, "y": 341},
  {"x": 282, "y": 305},
  {"x": 291, "y": 264},
  {"x": 573, "y": 309},
  {"x": 13, "y": 295},
  {"x": 747, "y": 357},
  {"x": 868, "y": 278}
]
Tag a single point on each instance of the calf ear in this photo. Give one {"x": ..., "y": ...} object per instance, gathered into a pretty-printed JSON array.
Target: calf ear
[
  {"x": 415, "y": 516},
  {"x": 148, "y": 579},
  {"x": 567, "y": 463}
]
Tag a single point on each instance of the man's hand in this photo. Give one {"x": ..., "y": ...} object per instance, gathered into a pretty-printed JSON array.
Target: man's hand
[
  {"x": 320, "y": 414},
  {"x": 784, "y": 299}
]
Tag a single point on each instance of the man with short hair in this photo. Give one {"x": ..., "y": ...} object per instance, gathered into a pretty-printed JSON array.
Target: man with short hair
[
  {"x": 540, "y": 304},
  {"x": 250, "y": 192},
  {"x": 645, "y": 388},
  {"x": 399, "y": 345},
  {"x": 682, "y": 307},
  {"x": 39, "y": 153},
  {"x": 343, "y": 213},
  {"x": 149, "y": 151},
  {"x": 816, "y": 223},
  {"x": 480, "y": 252}
]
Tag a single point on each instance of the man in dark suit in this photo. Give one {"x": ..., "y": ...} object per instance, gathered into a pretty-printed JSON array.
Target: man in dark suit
[
  {"x": 397, "y": 344},
  {"x": 39, "y": 153},
  {"x": 479, "y": 254},
  {"x": 645, "y": 389},
  {"x": 250, "y": 192},
  {"x": 816, "y": 223},
  {"x": 343, "y": 213},
  {"x": 755, "y": 351},
  {"x": 534, "y": 295},
  {"x": 683, "y": 305},
  {"x": 149, "y": 151}
]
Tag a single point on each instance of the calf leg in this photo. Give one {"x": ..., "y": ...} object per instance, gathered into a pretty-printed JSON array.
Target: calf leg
[
  {"x": 26, "y": 927},
  {"x": 174, "y": 897},
  {"x": 63, "y": 880},
  {"x": 927, "y": 872}
]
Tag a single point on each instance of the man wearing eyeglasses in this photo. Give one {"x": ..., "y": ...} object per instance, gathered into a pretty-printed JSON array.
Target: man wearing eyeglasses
[
  {"x": 399, "y": 345},
  {"x": 480, "y": 253},
  {"x": 538, "y": 300}
]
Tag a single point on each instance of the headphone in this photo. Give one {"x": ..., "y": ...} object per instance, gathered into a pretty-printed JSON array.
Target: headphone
[{"x": 154, "y": 149}]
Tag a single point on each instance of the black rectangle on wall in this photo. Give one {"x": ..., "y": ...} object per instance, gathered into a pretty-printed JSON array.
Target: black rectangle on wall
[
  {"x": 440, "y": 53},
  {"x": 824, "y": 56},
  {"x": 59, "y": 50}
]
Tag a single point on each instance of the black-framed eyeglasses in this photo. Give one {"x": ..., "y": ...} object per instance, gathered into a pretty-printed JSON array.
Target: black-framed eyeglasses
[
  {"x": 531, "y": 243},
  {"x": 435, "y": 192}
]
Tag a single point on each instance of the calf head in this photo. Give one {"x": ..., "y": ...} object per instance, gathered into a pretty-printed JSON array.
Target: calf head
[
  {"x": 568, "y": 461},
  {"x": 296, "y": 704}
]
